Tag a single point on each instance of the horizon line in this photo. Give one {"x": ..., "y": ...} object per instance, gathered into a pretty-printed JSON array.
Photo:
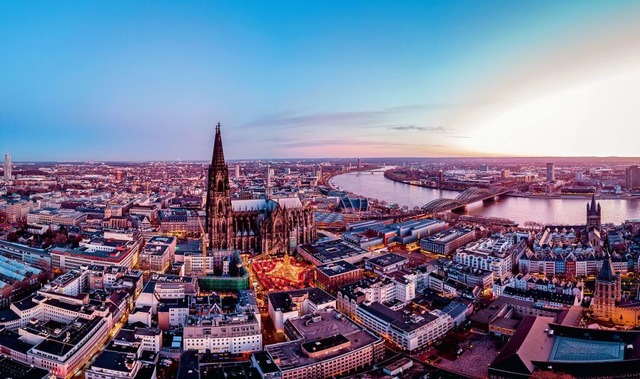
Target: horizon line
[{"x": 334, "y": 158}]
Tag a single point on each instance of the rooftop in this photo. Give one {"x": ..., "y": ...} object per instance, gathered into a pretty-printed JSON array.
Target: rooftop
[
  {"x": 405, "y": 321},
  {"x": 386, "y": 260},
  {"x": 334, "y": 250},
  {"x": 66, "y": 341},
  {"x": 336, "y": 268},
  {"x": 580, "y": 350},
  {"x": 115, "y": 361},
  {"x": 316, "y": 331},
  {"x": 16, "y": 370},
  {"x": 165, "y": 240},
  {"x": 447, "y": 236},
  {"x": 284, "y": 301}
]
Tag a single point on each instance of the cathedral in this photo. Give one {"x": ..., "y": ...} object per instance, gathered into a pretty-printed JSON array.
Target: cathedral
[{"x": 256, "y": 226}]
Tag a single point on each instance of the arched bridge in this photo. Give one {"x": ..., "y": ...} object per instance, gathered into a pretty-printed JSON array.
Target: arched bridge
[{"x": 470, "y": 195}]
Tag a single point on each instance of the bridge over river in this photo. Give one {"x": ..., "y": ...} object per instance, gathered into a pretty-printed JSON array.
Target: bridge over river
[{"x": 469, "y": 196}]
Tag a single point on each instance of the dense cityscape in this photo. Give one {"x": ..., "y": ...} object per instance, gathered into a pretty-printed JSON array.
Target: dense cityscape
[
  {"x": 265, "y": 269},
  {"x": 319, "y": 189}
]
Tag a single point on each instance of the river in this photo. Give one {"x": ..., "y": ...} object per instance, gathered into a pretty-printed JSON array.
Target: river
[{"x": 518, "y": 209}]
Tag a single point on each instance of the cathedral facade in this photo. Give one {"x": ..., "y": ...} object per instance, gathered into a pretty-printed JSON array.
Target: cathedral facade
[{"x": 253, "y": 226}]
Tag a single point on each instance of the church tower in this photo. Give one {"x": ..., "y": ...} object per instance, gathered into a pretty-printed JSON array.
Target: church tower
[
  {"x": 219, "y": 210},
  {"x": 594, "y": 215},
  {"x": 608, "y": 290}
]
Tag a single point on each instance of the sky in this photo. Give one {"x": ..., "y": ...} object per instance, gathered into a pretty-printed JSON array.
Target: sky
[{"x": 148, "y": 80}]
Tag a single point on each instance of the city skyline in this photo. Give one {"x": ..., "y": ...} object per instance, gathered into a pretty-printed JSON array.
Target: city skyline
[{"x": 311, "y": 80}]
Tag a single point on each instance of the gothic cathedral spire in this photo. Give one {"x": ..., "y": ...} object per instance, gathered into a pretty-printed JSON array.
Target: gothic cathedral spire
[
  {"x": 219, "y": 210},
  {"x": 217, "y": 160}
]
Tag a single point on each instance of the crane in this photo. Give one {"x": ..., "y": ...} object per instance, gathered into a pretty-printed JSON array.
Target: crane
[{"x": 203, "y": 233}]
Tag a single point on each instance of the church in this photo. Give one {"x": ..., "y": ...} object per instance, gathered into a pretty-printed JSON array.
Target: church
[
  {"x": 593, "y": 230},
  {"x": 256, "y": 226}
]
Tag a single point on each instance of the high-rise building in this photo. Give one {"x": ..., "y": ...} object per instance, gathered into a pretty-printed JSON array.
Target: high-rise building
[
  {"x": 237, "y": 171},
  {"x": 359, "y": 164},
  {"x": 7, "y": 167},
  {"x": 633, "y": 177},
  {"x": 267, "y": 184},
  {"x": 551, "y": 176}
]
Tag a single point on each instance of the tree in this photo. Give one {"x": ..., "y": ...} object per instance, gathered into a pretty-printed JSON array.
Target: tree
[{"x": 60, "y": 240}]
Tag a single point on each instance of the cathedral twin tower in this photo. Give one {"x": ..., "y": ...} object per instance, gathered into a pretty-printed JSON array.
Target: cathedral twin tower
[{"x": 255, "y": 226}]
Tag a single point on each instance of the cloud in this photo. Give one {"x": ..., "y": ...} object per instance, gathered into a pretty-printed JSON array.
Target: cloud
[
  {"x": 423, "y": 107},
  {"x": 433, "y": 129},
  {"x": 287, "y": 121},
  {"x": 290, "y": 120},
  {"x": 332, "y": 142}
]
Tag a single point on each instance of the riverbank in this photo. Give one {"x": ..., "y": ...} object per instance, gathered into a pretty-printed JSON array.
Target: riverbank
[
  {"x": 409, "y": 183},
  {"x": 521, "y": 194},
  {"x": 583, "y": 197}
]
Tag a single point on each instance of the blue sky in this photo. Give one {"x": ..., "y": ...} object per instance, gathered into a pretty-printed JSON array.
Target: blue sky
[{"x": 137, "y": 80}]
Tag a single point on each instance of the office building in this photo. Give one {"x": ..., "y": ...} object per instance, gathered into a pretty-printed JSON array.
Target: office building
[
  {"x": 98, "y": 251},
  {"x": 407, "y": 329},
  {"x": 314, "y": 354},
  {"x": 157, "y": 254},
  {"x": 8, "y": 174},
  {"x": 234, "y": 333},
  {"x": 447, "y": 241},
  {"x": 289, "y": 304},
  {"x": 632, "y": 177}
]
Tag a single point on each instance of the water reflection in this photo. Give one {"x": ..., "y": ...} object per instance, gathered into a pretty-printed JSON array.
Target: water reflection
[{"x": 556, "y": 211}]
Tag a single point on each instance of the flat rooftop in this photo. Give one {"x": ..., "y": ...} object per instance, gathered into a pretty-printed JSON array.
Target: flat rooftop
[
  {"x": 386, "y": 260},
  {"x": 316, "y": 328},
  {"x": 59, "y": 345},
  {"x": 336, "y": 268},
  {"x": 334, "y": 250},
  {"x": 403, "y": 321},
  {"x": 284, "y": 302},
  {"x": 325, "y": 343},
  {"x": 567, "y": 349},
  {"x": 16, "y": 370},
  {"x": 447, "y": 236},
  {"x": 165, "y": 240},
  {"x": 112, "y": 360}
]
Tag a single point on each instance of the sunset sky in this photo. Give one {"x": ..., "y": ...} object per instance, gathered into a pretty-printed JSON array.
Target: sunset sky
[{"x": 137, "y": 80}]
